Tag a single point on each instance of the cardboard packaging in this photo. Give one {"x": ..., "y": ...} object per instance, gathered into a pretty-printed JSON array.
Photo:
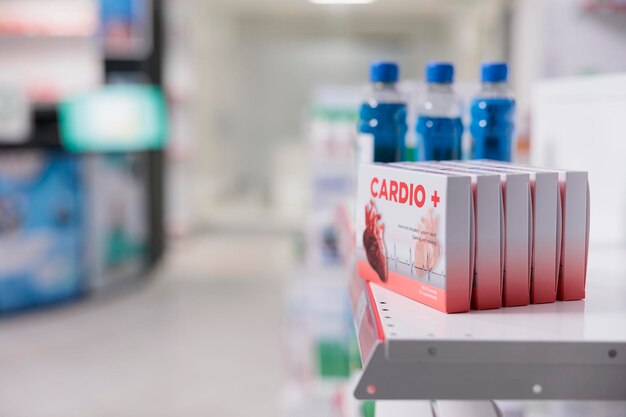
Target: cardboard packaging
[
  {"x": 517, "y": 236},
  {"x": 414, "y": 234},
  {"x": 546, "y": 230},
  {"x": 575, "y": 199},
  {"x": 489, "y": 232}
]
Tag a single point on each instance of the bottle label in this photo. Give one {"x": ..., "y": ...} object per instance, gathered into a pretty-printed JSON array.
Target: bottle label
[{"x": 365, "y": 148}]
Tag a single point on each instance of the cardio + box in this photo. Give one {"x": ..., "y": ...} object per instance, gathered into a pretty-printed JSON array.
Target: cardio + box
[
  {"x": 489, "y": 232},
  {"x": 575, "y": 206},
  {"x": 414, "y": 234},
  {"x": 546, "y": 230},
  {"x": 518, "y": 233}
]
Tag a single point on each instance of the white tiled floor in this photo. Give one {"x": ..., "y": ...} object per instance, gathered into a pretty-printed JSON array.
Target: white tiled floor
[{"x": 202, "y": 337}]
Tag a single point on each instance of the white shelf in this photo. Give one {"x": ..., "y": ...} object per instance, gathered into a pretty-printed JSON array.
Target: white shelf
[{"x": 565, "y": 350}]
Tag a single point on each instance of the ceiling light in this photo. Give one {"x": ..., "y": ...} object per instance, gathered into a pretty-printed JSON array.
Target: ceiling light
[{"x": 342, "y": 1}]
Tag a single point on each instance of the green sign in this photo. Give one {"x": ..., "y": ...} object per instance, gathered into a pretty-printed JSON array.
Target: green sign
[{"x": 115, "y": 118}]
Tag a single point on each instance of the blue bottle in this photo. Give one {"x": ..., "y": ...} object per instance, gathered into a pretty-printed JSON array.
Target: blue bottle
[
  {"x": 439, "y": 125},
  {"x": 493, "y": 115},
  {"x": 382, "y": 117}
]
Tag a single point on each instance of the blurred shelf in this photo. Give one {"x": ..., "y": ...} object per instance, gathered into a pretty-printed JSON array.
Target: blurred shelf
[
  {"x": 37, "y": 31},
  {"x": 47, "y": 21},
  {"x": 46, "y": 134},
  {"x": 608, "y": 6},
  {"x": 563, "y": 351}
]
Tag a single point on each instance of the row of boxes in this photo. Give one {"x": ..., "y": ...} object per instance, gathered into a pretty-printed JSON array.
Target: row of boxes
[{"x": 477, "y": 234}]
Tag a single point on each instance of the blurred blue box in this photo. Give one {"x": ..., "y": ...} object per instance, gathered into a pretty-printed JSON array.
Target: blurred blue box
[{"x": 41, "y": 228}]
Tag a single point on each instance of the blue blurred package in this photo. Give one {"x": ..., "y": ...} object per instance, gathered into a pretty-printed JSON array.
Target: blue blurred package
[
  {"x": 117, "y": 209},
  {"x": 41, "y": 232}
]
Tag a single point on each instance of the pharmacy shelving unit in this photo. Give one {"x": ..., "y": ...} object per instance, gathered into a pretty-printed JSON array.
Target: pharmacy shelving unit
[
  {"x": 147, "y": 68},
  {"x": 572, "y": 350}
]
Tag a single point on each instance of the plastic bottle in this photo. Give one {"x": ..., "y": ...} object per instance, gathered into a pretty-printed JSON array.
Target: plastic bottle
[
  {"x": 382, "y": 117},
  {"x": 493, "y": 114},
  {"x": 439, "y": 126}
]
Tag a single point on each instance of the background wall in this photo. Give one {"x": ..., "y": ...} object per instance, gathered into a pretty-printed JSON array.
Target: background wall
[{"x": 258, "y": 64}]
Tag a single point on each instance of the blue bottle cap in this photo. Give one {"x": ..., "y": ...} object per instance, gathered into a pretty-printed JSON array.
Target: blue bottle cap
[
  {"x": 384, "y": 72},
  {"x": 494, "y": 72},
  {"x": 439, "y": 72}
]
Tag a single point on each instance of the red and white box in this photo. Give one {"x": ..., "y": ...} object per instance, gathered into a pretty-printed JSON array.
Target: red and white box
[
  {"x": 546, "y": 230},
  {"x": 575, "y": 199},
  {"x": 489, "y": 232},
  {"x": 414, "y": 234},
  {"x": 518, "y": 233}
]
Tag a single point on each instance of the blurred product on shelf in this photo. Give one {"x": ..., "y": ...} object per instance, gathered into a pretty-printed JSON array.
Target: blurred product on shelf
[
  {"x": 116, "y": 210},
  {"x": 69, "y": 224},
  {"x": 331, "y": 140},
  {"x": 39, "y": 18},
  {"x": 48, "y": 48},
  {"x": 493, "y": 115},
  {"x": 15, "y": 114},
  {"x": 433, "y": 262},
  {"x": 344, "y": 230},
  {"x": 42, "y": 201},
  {"x": 322, "y": 352},
  {"x": 126, "y": 27},
  {"x": 321, "y": 343},
  {"x": 439, "y": 116},
  {"x": 382, "y": 117},
  {"x": 118, "y": 118}
]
